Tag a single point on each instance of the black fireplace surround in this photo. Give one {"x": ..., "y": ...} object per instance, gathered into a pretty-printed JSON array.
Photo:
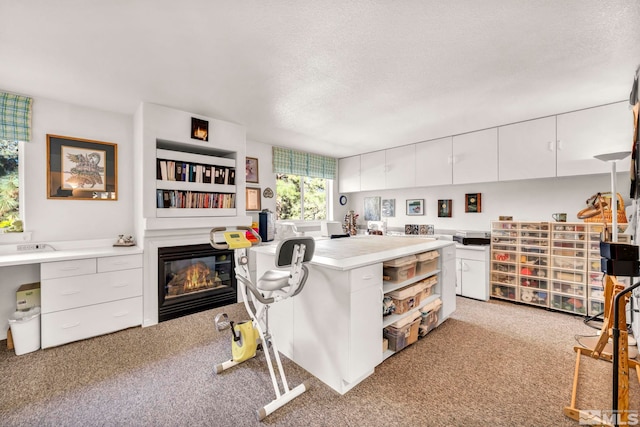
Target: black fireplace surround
[{"x": 194, "y": 278}]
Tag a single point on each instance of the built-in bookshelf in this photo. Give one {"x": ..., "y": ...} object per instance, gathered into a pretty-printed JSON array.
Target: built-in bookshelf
[{"x": 194, "y": 183}]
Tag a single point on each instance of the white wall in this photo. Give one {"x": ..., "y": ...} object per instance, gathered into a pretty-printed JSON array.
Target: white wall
[
  {"x": 55, "y": 219},
  {"x": 533, "y": 200},
  {"x": 266, "y": 177}
]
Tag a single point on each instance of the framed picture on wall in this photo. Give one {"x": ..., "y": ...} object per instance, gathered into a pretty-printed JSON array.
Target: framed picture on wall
[
  {"x": 199, "y": 129},
  {"x": 253, "y": 199},
  {"x": 81, "y": 169},
  {"x": 415, "y": 207},
  {"x": 388, "y": 207},
  {"x": 473, "y": 202},
  {"x": 444, "y": 208},
  {"x": 372, "y": 208},
  {"x": 252, "y": 170}
]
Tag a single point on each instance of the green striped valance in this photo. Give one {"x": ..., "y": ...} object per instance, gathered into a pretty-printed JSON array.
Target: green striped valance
[
  {"x": 306, "y": 164},
  {"x": 15, "y": 117}
]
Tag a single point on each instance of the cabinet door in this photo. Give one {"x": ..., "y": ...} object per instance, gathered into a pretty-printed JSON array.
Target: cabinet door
[
  {"x": 527, "y": 150},
  {"x": 475, "y": 157},
  {"x": 349, "y": 174},
  {"x": 400, "y": 167},
  {"x": 473, "y": 279},
  {"x": 587, "y": 133},
  {"x": 434, "y": 164},
  {"x": 458, "y": 276},
  {"x": 448, "y": 281},
  {"x": 372, "y": 171}
]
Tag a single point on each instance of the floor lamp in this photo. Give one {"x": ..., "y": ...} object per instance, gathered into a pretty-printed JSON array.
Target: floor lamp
[{"x": 613, "y": 158}]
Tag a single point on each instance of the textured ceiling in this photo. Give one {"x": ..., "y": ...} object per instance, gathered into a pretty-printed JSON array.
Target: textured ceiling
[{"x": 334, "y": 77}]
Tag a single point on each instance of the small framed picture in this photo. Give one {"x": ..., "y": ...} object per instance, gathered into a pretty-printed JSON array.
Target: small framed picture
[
  {"x": 415, "y": 207},
  {"x": 253, "y": 199},
  {"x": 372, "y": 208},
  {"x": 199, "y": 129},
  {"x": 252, "y": 170},
  {"x": 444, "y": 208},
  {"x": 389, "y": 207},
  {"x": 473, "y": 203}
]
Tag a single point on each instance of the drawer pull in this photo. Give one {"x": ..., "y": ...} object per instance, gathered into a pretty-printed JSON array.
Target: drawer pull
[
  {"x": 120, "y": 314},
  {"x": 66, "y": 293},
  {"x": 119, "y": 263},
  {"x": 120, "y": 286},
  {"x": 69, "y": 268},
  {"x": 70, "y": 325},
  {"x": 367, "y": 277}
]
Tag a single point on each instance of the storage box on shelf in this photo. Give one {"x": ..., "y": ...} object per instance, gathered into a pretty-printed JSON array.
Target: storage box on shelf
[
  {"x": 406, "y": 295},
  {"x": 504, "y": 260},
  {"x": 426, "y": 262},
  {"x": 595, "y": 289},
  {"x": 430, "y": 315}
]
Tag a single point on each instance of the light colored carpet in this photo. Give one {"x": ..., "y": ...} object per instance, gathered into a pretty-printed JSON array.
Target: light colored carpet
[{"x": 491, "y": 364}]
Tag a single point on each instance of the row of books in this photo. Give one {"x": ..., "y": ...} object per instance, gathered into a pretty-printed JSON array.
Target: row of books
[
  {"x": 168, "y": 170},
  {"x": 193, "y": 199}
]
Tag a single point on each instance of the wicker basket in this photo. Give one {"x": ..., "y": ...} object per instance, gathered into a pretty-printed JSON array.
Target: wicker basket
[{"x": 608, "y": 216}]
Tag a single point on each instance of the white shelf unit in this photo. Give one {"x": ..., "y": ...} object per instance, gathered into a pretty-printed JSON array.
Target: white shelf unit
[
  {"x": 218, "y": 159},
  {"x": 392, "y": 286}
]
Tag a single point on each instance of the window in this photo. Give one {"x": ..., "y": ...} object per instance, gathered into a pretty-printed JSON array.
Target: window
[
  {"x": 9, "y": 184},
  {"x": 303, "y": 183},
  {"x": 301, "y": 197}
]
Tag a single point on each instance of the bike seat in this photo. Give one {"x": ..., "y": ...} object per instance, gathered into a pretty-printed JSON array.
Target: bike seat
[{"x": 273, "y": 280}]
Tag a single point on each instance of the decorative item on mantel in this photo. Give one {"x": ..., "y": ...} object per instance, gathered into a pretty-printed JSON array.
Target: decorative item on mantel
[
  {"x": 350, "y": 227},
  {"x": 124, "y": 241}
]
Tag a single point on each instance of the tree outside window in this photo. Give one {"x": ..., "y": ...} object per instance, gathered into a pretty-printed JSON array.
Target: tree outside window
[
  {"x": 9, "y": 184},
  {"x": 301, "y": 198}
]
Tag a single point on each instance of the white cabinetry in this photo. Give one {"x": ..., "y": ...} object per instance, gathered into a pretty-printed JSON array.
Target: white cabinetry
[
  {"x": 527, "y": 150},
  {"x": 372, "y": 171},
  {"x": 349, "y": 174},
  {"x": 88, "y": 297},
  {"x": 586, "y": 133},
  {"x": 400, "y": 169},
  {"x": 472, "y": 272},
  {"x": 433, "y": 162},
  {"x": 475, "y": 157}
]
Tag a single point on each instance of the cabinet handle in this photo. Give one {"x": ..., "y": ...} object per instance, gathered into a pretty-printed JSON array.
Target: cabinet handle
[
  {"x": 367, "y": 277},
  {"x": 559, "y": 142},
  {"x": 66, "y": 293},
  {"x": 465, "y": 266},
  {"x": 69, "y": 268},
  {"x": 550, "y": 145},
  {"x": 120, "y": 314},
  {"x": 70, "y": 325},
  {"x": 120, "y": 286},
  {"x": 119, "y": 263}
]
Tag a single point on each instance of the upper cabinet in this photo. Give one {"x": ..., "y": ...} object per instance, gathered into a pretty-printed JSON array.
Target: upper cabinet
[
  {"x": 349, "y": 174},
  {"x": 586, "y": 133},
  {"x": 475, "y": 157},
  {"x": 372, "y": 171},
  {"x": 400, "y": 167},
  {"x": 527, "y": 150},
  {"x": 433, "y": 162}
]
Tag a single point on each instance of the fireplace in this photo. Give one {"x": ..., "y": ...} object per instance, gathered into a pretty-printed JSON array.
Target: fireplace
[{"x": 194, "y": 278}]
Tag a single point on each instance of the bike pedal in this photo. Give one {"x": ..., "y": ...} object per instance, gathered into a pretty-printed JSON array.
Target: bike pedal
[{"x": 222, "y": 322}]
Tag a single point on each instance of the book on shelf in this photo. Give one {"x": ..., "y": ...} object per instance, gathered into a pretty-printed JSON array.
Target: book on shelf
[{"x": 193, "y": 199}]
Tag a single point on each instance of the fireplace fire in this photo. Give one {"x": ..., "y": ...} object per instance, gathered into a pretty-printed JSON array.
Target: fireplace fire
[{"x": 194, "y": 278}]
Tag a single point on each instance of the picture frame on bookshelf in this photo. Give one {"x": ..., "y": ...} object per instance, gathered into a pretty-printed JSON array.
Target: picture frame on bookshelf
[
  {"x": 199, "y": 129},
  {"x": 252, "y": 170},
  {"x": 253, "y": 199},
  {"x": 473, "y": 203},
  {"x": 415, "y": 206},
  {"x": 81, "y": 169}
]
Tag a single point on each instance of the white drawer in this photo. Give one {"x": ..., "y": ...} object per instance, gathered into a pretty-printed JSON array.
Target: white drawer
[
  {"x": 86, "y": 322},
  {"x": 363, "y": 277},
  {"x": 121, "y": 262},
  {"x": 72, "y": 292},
  {"x": 76, "y": 267}
]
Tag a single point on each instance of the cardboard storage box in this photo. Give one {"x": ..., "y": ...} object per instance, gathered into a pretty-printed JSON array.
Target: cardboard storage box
[
  {"x": 28, "y": 296},
  {"x": 427, "y": 287},
  {"x": 399, "y": 269},
  {"x": 406, "y": 298},
  {"x": 426, "y": 262}
]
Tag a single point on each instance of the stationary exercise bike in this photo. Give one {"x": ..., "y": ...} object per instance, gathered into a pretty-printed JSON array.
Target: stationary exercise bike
[{"x": 275, "y": 285}]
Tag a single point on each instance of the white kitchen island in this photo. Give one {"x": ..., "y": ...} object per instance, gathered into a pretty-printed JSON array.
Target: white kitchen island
[{"x": 333, "y": 328}]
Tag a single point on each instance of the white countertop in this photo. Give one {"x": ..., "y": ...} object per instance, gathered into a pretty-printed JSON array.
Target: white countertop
[
  {"x": 361, "y": 250},
  {"x": 36, "y": 257}
]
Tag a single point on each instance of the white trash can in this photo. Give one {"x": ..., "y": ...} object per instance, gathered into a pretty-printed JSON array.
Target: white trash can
[{"x": 25, "y": 330}]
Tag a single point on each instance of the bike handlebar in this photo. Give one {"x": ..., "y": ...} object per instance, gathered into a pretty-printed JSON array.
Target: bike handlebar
[{"x": 225, "y": 246}]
